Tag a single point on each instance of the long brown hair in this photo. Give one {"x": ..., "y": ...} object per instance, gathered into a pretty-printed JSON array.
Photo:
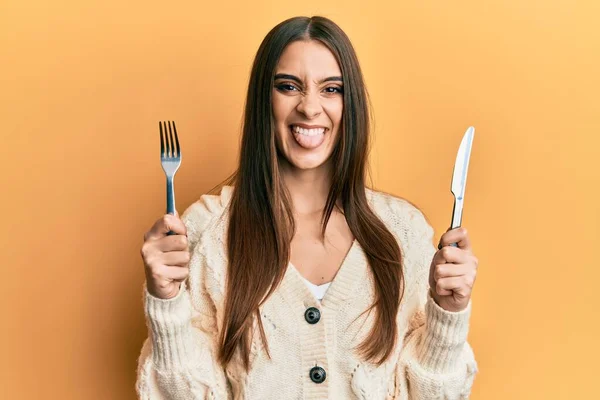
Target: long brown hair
[{"x": 261, "y": 225}]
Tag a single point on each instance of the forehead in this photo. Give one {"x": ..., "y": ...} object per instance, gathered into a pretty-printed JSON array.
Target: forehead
[{"x": 308, "y": 59}]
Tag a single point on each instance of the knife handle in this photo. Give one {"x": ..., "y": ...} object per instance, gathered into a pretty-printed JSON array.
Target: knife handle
[{"x": 457, "y": 215}]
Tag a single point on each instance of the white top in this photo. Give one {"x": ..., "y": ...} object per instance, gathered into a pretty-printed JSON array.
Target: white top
[
  {"x": 317, "y": 290},
  {"x": 431, "y": 359}
]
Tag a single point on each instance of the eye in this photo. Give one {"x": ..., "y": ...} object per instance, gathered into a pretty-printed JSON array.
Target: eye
[
  {"x": 334, "y": 89},
  {"x": 286, "y": 87}
]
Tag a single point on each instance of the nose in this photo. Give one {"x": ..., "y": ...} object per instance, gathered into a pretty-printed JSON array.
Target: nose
[{"x": 310, "y": 105}]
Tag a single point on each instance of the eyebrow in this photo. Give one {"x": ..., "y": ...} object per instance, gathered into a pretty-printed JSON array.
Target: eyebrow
[{"x": 296, "y": 79}]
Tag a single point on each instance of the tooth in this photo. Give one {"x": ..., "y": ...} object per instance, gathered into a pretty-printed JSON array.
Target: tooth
[{"x": 308, "y": 132}]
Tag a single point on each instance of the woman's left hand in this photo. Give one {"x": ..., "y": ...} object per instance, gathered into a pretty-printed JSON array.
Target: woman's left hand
[{"x": 453, "y": 271}]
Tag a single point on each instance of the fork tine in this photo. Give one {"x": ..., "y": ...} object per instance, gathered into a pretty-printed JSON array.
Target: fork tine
[
  {"x": 169, "y": 142},
  {"x": 176, "y": 140},
  {"x": 166, "y": 135},
  {"x": 162, "y": 142},
  {"x": 172, "y": 142}
]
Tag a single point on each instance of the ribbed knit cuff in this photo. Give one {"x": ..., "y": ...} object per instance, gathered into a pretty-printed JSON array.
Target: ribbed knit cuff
[
  {"x": 445, "y": 336},
  {"x": 171, "y": 325}
]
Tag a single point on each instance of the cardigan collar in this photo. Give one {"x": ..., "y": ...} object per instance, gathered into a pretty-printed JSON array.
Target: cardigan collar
[{"x": 352, "y": 272}]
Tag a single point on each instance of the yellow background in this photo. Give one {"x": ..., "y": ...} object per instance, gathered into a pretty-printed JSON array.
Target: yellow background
[{"x": 83, "y": 85}]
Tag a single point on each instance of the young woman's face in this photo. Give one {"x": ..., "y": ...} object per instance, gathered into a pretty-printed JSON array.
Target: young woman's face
[{"x": 307, "y": 104}]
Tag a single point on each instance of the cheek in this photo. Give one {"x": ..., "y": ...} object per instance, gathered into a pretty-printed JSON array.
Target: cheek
[
  {"x": 281, "y": 108},
  {"x": 338, "y": 130},
  {"x": 335, "y": 111}
]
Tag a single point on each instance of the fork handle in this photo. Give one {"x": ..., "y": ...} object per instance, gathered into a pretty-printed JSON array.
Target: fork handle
[{"x": 170, "y": 200}]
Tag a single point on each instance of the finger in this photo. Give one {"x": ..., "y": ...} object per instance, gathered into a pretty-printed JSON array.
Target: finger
[
  {"x": 457, "y": 235},
  {"x": 174, "y": 273},
  {"x": 172, "y": 243},
  {"x": 450, "y": 270},
  {"x": 176, "y": 258},
  {"x": 165, "y": 224},
  {"x": 446, "y": 286},
  {"x": 440, "y": 244},
  {"x": 449, "y": 254}
]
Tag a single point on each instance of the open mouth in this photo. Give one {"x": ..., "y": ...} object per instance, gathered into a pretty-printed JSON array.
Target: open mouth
[{"x": 308, "y": 138}]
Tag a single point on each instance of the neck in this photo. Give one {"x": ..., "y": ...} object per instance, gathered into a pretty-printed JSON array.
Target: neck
[{"x": 308, "y": 188}]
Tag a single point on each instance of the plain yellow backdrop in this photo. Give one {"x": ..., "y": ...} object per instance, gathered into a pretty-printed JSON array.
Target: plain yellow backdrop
[{"x": 84, "y": 84}]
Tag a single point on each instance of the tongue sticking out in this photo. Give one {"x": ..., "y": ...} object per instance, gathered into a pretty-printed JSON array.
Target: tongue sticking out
[{"x": 309, "y": 142}]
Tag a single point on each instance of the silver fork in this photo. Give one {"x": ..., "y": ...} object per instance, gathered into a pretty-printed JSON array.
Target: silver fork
[{"x": 170, "y": 158}]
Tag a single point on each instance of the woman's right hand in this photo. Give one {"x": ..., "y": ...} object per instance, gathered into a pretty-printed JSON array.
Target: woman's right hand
[{"x": 166, "y": 257}]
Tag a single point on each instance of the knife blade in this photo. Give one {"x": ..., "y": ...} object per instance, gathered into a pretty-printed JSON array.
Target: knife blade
[{"x": 459, "y": 177}]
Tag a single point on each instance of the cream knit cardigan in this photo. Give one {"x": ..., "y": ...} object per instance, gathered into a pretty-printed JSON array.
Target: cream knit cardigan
[{"x": 432, "y": 358}]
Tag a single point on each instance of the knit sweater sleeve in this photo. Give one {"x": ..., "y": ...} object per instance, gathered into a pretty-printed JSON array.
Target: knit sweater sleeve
[
  {"x": 178, "y": 358},
  {"x": 436, "y": 361}
]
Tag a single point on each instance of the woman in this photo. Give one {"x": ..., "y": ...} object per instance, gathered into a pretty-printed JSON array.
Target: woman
[{"x": 297, "y": 281}]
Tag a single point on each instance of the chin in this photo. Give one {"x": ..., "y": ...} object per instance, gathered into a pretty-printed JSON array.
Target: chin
[{"x": 307, "y": 162}]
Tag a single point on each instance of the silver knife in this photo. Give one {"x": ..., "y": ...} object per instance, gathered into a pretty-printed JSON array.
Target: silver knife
[{"x": 459, "y": 177}]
